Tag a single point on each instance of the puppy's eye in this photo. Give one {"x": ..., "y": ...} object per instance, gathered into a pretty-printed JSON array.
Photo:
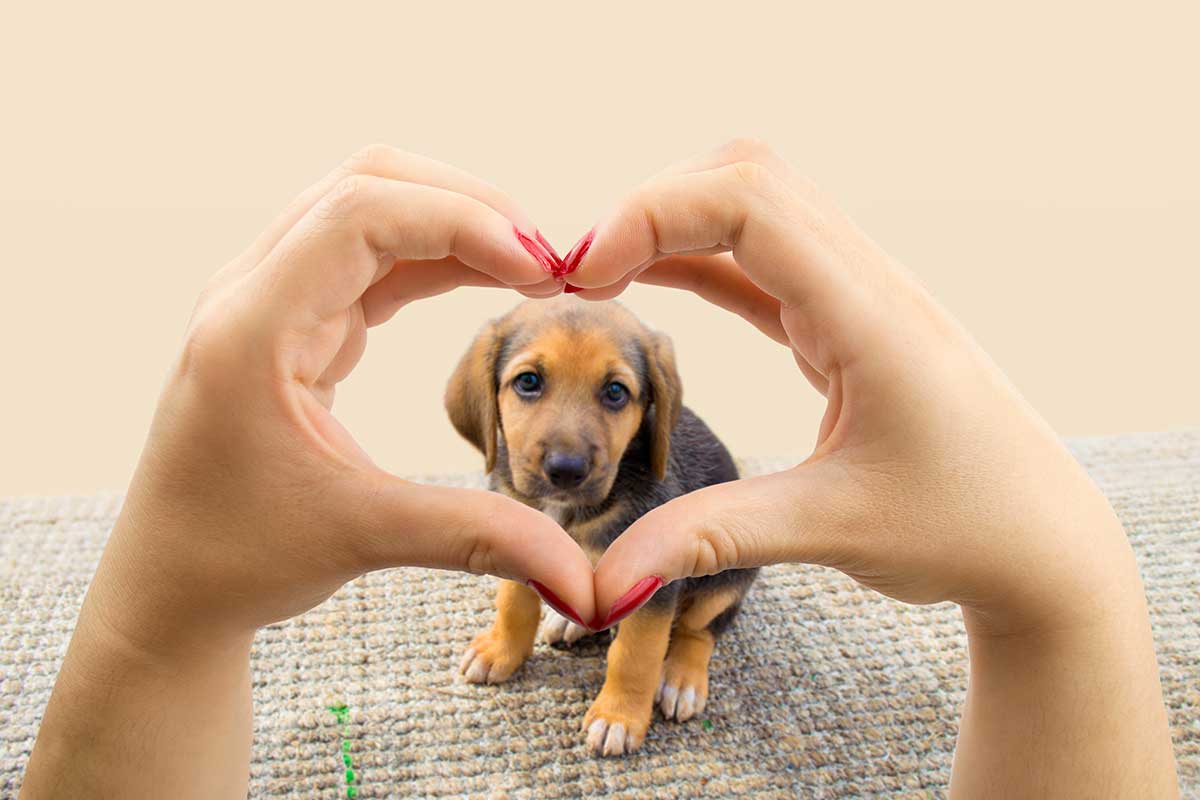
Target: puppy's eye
[
  {"x": 527, "y": 383},
  {"x": 616, "y": 395}
]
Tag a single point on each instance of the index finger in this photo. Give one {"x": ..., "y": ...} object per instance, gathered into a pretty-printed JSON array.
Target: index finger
[
  {"x": 719, "y": 280},
  {"x": 384, "y": 161},
  {"x": 740, "y": 208},
  {"x": 355, "y": 234}
]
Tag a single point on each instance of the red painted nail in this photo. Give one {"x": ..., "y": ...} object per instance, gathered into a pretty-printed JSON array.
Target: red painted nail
[
  {"x": 569, "y": 289},
  {"x": 538, "y": 252},
  {"x": 558, "y": 605},
  {"x": 573, "y": 258},
  {"x": 631, "y": 601},
  {"x": 549, "y": 248}
]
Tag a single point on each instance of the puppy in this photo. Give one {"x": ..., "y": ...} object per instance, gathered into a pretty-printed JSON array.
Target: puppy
[{"x": 577, "y": 410}]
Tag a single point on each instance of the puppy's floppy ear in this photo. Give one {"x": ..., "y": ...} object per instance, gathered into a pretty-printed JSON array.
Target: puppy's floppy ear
[
  {"x": 666, "y": 395},
  {"x": 471, "y": 394}
]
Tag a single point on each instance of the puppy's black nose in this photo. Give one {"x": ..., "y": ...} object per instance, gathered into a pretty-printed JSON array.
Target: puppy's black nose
[{"x": 565, "y": 470}]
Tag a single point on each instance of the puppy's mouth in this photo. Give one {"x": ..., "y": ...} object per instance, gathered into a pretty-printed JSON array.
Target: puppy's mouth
[{"x": 591, "y": 492}]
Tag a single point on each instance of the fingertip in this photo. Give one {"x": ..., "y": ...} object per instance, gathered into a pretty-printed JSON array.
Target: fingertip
[{"x": 535, "y": 550}]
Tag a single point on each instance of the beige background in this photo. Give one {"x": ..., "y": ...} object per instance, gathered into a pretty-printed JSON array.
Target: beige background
[{"x": 1036, "y": 164}]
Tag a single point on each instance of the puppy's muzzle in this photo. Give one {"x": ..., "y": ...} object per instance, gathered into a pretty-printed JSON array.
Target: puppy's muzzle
[{"x": 565, "y": 470}]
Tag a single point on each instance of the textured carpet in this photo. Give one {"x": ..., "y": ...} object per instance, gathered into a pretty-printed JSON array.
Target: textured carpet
[{"x": 821, "y": 689}]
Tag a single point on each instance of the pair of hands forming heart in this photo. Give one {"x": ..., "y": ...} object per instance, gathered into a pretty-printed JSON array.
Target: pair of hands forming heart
[{"x": 931, "y": 478}]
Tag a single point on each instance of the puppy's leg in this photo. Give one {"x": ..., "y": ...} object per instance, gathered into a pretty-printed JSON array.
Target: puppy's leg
[
  {"x": 683, "y": 692},
  {"x": 496, "y": 653},
  {"x": 617, "y": 721}
]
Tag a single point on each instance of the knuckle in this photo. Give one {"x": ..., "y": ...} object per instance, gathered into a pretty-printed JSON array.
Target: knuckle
[
  {"x": 343, "y": 199},
  {"x": 371, "y": 158},
  {"x": 208, "y": 351},
  {"x": 753, "y": 176},
  {"x": 480, "y": 558},
  {"x": 481, "y": 554},
  {"x": 747, "y": 148},
  {"x": 715, "y": 548}
]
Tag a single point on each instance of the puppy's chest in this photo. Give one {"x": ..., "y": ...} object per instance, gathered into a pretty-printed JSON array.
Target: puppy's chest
[{"x": 592, "y": 534}]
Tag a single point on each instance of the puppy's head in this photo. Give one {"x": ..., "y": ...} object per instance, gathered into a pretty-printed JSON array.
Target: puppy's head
[{"x": 568, "y": 385}]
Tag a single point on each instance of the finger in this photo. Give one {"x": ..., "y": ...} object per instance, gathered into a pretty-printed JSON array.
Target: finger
[
  {"x": 792, "y": 516},
  {"x": 719, "y": 280},
  {"x": 603, "y": 293},
  {"x": 741, "y": 149},
  {"x": 743, "y": 208},
  {"x": 407, "y": 524},
  {"x": 416, "y": 280},
  {"x": 332, "y": 255},
  {"x": 383, "y": 161}
]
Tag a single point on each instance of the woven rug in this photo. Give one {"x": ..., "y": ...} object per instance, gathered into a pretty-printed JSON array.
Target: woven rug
[{"x": 821, "y": 689}]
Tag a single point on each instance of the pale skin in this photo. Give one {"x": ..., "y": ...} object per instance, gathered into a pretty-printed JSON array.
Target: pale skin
[{"x": 931, "y": 480}]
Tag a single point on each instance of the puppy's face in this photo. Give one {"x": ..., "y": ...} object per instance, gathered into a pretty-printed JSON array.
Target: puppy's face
[
  {"x": 568, "y": 385},
  {"x": 570, "y": 402}
]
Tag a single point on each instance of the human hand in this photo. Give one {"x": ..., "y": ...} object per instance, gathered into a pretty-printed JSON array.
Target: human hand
[
  {"x": 931, "y": 478},
  {"x": 252, "y": 503}
]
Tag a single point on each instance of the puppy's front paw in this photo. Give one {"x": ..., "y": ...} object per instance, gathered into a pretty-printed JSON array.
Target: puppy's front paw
[
  {"x": 557, "y": 629},
  {"x": 616, "y": 724},
  {"x": 681, "y": 697},
  {"x": 683, "y": 692},
  {"x": 492, "y": 658}
]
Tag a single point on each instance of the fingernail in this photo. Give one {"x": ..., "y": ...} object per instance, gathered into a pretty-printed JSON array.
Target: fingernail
[
  {"x": 569, "y": 289},
  {"x": 558, "y": 605},
  {"x": 577, "y": 253},
  {"x": 549, "y": 248},
  {"x": 548, "y": 263},
  {"x": 631, "y": 601}
]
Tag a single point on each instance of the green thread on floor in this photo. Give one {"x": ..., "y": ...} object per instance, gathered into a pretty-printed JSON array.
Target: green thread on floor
[
  {"x": 342, "y": 712},
  {"x": 707, "y": 725}
]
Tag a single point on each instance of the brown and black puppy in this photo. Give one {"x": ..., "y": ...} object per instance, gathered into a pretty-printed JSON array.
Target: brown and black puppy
[{"x": 577, "y": 409}]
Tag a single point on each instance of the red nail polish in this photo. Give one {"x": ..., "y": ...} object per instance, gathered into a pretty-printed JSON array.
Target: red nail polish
[
  {"x": 549, "y": 264},
  {"x": 549, "y": 248},
  {"x": 558, "y": 605},
  {"x": 631, "y": 601},
  {"x": 569, "y": 289},
  {"x": 577, "y": 253}
]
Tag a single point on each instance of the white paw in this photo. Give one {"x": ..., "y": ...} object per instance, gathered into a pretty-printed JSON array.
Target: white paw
[
  {"x": 476, "y": 667},
  {"x": 680, "y": 703},
  {"x": 491, "y": 659},
  {"x": 610, "y": 739},
  {"x": 556, "y": 628}
]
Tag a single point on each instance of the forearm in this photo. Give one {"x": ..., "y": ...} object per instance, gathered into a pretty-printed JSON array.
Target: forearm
[
  {"x": 1074, "y": 713},
  {"x": 122, "y": 722}
]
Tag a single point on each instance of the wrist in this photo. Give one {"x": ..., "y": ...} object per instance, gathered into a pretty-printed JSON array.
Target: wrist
[
  {"x": 1069, "y": 568},
  {"x": 112, "y": 690}
]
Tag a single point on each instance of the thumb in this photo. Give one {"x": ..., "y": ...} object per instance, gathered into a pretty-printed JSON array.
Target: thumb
[
  {"x": 783, "y": 517},
  {"x": 409, "y": 524}
]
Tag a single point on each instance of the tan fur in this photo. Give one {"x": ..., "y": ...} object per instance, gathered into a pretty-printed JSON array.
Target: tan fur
[
  {"x": 635, "y": 660},
  {"x": 687, "y": 667},
  {"x": 576, "y": 363},
  {"x": 505, "y": 646},
  {"x": 703, "y": 609},
  {"x": 577, "y": 349},
  {"x": 668, "y": 400},
  {"x": 471, "y": 395},
  {"x": 575, "y": 366},
  {"x": 691, "y": 648}
]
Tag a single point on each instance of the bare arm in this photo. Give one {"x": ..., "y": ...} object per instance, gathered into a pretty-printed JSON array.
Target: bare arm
[
  {"x": 251, "y": 504},
  {"x": 931, "y": 479}
]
